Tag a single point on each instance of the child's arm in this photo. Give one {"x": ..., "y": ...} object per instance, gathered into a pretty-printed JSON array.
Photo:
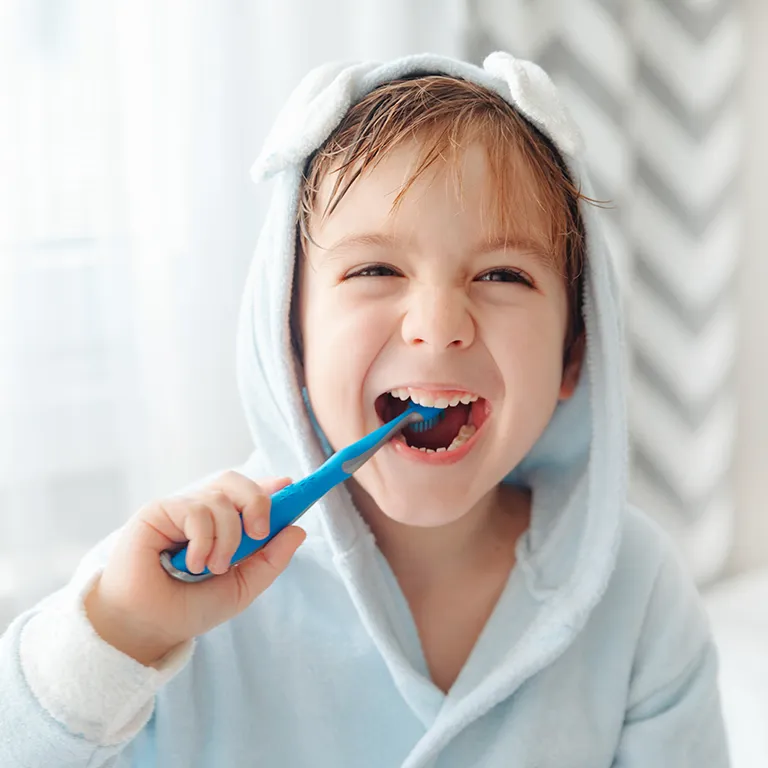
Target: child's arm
[
  {"x": 59, "y": 679},
  {"x": 79, "y": 672},
  {"x": 673, "y": 718},
  {"x": 69, "y": 699}
]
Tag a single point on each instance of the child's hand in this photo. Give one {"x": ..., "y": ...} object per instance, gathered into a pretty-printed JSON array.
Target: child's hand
[{"x": 139, "y": 609}]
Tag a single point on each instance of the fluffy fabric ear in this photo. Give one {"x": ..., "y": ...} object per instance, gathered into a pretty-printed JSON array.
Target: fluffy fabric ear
[
  {"x": 535, "y": 94},
  {"x": 312, "y": 111}
]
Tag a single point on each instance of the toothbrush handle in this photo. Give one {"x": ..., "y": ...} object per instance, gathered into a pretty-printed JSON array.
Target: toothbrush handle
[{"x": 287, "y": 506}]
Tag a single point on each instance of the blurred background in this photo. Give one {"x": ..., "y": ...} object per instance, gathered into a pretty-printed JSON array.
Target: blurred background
[{"x": 127, "y": 222}]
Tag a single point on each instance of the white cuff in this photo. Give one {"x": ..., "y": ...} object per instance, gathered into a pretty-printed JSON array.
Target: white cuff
[{"x": 93, "y": 689}]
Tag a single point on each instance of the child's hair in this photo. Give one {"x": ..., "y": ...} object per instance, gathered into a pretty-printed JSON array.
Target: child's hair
[{"x": 446, "y": 114}]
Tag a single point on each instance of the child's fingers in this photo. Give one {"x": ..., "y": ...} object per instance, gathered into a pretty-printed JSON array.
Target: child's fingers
[
  {"x": 200, "y": 530},
  {"x": 251, "y": 499},
  {"x": 257, "y": 572},
  {"x": 227, "y": 534},
  {"x": 256, "y": 517},
  {"x": 163, "y": 524}
]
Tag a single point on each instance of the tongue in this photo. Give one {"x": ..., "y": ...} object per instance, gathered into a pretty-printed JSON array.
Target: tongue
[{"x": 442, "y": 434}]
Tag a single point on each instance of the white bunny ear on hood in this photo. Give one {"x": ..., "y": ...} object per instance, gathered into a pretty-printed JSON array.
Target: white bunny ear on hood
[
  {"x": 312, "y": 111},
  {"x": 531, "y": 89}
]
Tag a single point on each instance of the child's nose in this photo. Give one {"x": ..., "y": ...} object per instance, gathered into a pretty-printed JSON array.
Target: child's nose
[{"x": 438, "y": 317}]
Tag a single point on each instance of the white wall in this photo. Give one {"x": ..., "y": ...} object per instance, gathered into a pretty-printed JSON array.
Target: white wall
[{"x": 751, "y": 466}]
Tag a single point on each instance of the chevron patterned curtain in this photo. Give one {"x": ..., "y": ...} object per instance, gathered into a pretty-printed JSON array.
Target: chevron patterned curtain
[{"x": 654, "y": 85}]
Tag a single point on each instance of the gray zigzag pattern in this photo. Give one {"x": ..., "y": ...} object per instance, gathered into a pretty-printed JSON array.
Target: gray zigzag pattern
[
  {"x": 558, "y": 57},
  {"x": 697, "y": 124},
  {"x": 699, "y": 22},
  {"x": 695, "y": 223},
  {"x": 690, "y": 509},
  {"x": 616, "y": 9},
  {"x": 695, "y": 321},
  {"x": 693, "y": 415}
]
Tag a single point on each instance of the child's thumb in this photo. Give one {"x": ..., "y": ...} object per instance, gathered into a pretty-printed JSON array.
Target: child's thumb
[{"x": 257, "y": 572}]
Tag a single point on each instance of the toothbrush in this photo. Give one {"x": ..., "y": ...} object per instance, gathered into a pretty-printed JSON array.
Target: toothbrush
[{"x": 291, "y": 502}]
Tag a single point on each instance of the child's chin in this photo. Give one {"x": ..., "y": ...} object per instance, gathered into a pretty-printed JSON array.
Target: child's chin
[{"x": 420, "y": 512}]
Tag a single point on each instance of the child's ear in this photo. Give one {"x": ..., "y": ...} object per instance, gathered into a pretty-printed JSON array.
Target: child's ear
[{"x": 572, "y": 368}]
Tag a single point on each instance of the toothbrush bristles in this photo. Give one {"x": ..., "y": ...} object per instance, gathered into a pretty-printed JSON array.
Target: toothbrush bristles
[{"x": 425, "y": 424}]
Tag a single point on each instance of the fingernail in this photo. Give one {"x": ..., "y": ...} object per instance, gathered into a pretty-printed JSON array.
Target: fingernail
[{"x": 260, "y": 530}]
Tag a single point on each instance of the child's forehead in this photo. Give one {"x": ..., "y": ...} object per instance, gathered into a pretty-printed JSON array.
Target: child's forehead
[{"x": 499, "y": 199}]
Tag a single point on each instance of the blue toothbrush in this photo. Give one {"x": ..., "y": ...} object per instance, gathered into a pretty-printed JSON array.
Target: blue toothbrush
[{"x": 291, "y": 502}]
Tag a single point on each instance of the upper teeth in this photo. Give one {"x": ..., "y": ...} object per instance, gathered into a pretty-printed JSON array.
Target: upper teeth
[{"x": 423, "y": 398}]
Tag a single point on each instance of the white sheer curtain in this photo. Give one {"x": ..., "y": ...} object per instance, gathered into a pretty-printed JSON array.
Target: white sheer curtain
[{"x": 127, "y": 220}]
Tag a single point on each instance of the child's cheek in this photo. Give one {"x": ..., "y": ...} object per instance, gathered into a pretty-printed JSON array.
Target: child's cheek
[{"x": 342, "y": 342}]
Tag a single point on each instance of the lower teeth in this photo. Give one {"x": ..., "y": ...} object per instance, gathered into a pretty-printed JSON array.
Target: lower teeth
[{"x": 464, "y": 434}]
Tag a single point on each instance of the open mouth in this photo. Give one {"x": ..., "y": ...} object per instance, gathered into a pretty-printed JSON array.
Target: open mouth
[{"x": 465, "y": 413}]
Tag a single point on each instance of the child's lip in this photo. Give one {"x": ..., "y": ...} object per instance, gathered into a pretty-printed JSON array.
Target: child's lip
[{"x": 435, "y": 459}]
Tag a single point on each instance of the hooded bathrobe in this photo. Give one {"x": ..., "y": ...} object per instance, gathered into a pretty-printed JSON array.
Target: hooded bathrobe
[{"x": 596, "y": 654}]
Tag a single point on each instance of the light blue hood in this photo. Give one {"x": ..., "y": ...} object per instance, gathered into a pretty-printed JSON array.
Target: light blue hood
[{"x": 577, "y": 469}]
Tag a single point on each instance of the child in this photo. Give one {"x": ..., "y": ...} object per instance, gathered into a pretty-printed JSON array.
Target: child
[{"x": 479, "y": 594}]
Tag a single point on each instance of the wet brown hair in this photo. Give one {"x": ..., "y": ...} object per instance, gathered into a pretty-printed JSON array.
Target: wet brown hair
[{"x": 446, "y": 114}]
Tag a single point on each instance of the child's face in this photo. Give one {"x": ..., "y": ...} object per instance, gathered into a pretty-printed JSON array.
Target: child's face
[{"x": 423, "y": 299}]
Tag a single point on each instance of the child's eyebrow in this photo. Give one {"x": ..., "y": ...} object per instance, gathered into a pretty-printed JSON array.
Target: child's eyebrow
[
  {"x": 523, "y": 244},
  {"x": 366, "y": 240},
  {"x": 500, "y": 243}
]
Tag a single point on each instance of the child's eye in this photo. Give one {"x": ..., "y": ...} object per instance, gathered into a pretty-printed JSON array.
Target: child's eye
[
  {"x": 505, "y": 275},
  {"x": 374, "y": 270}
]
